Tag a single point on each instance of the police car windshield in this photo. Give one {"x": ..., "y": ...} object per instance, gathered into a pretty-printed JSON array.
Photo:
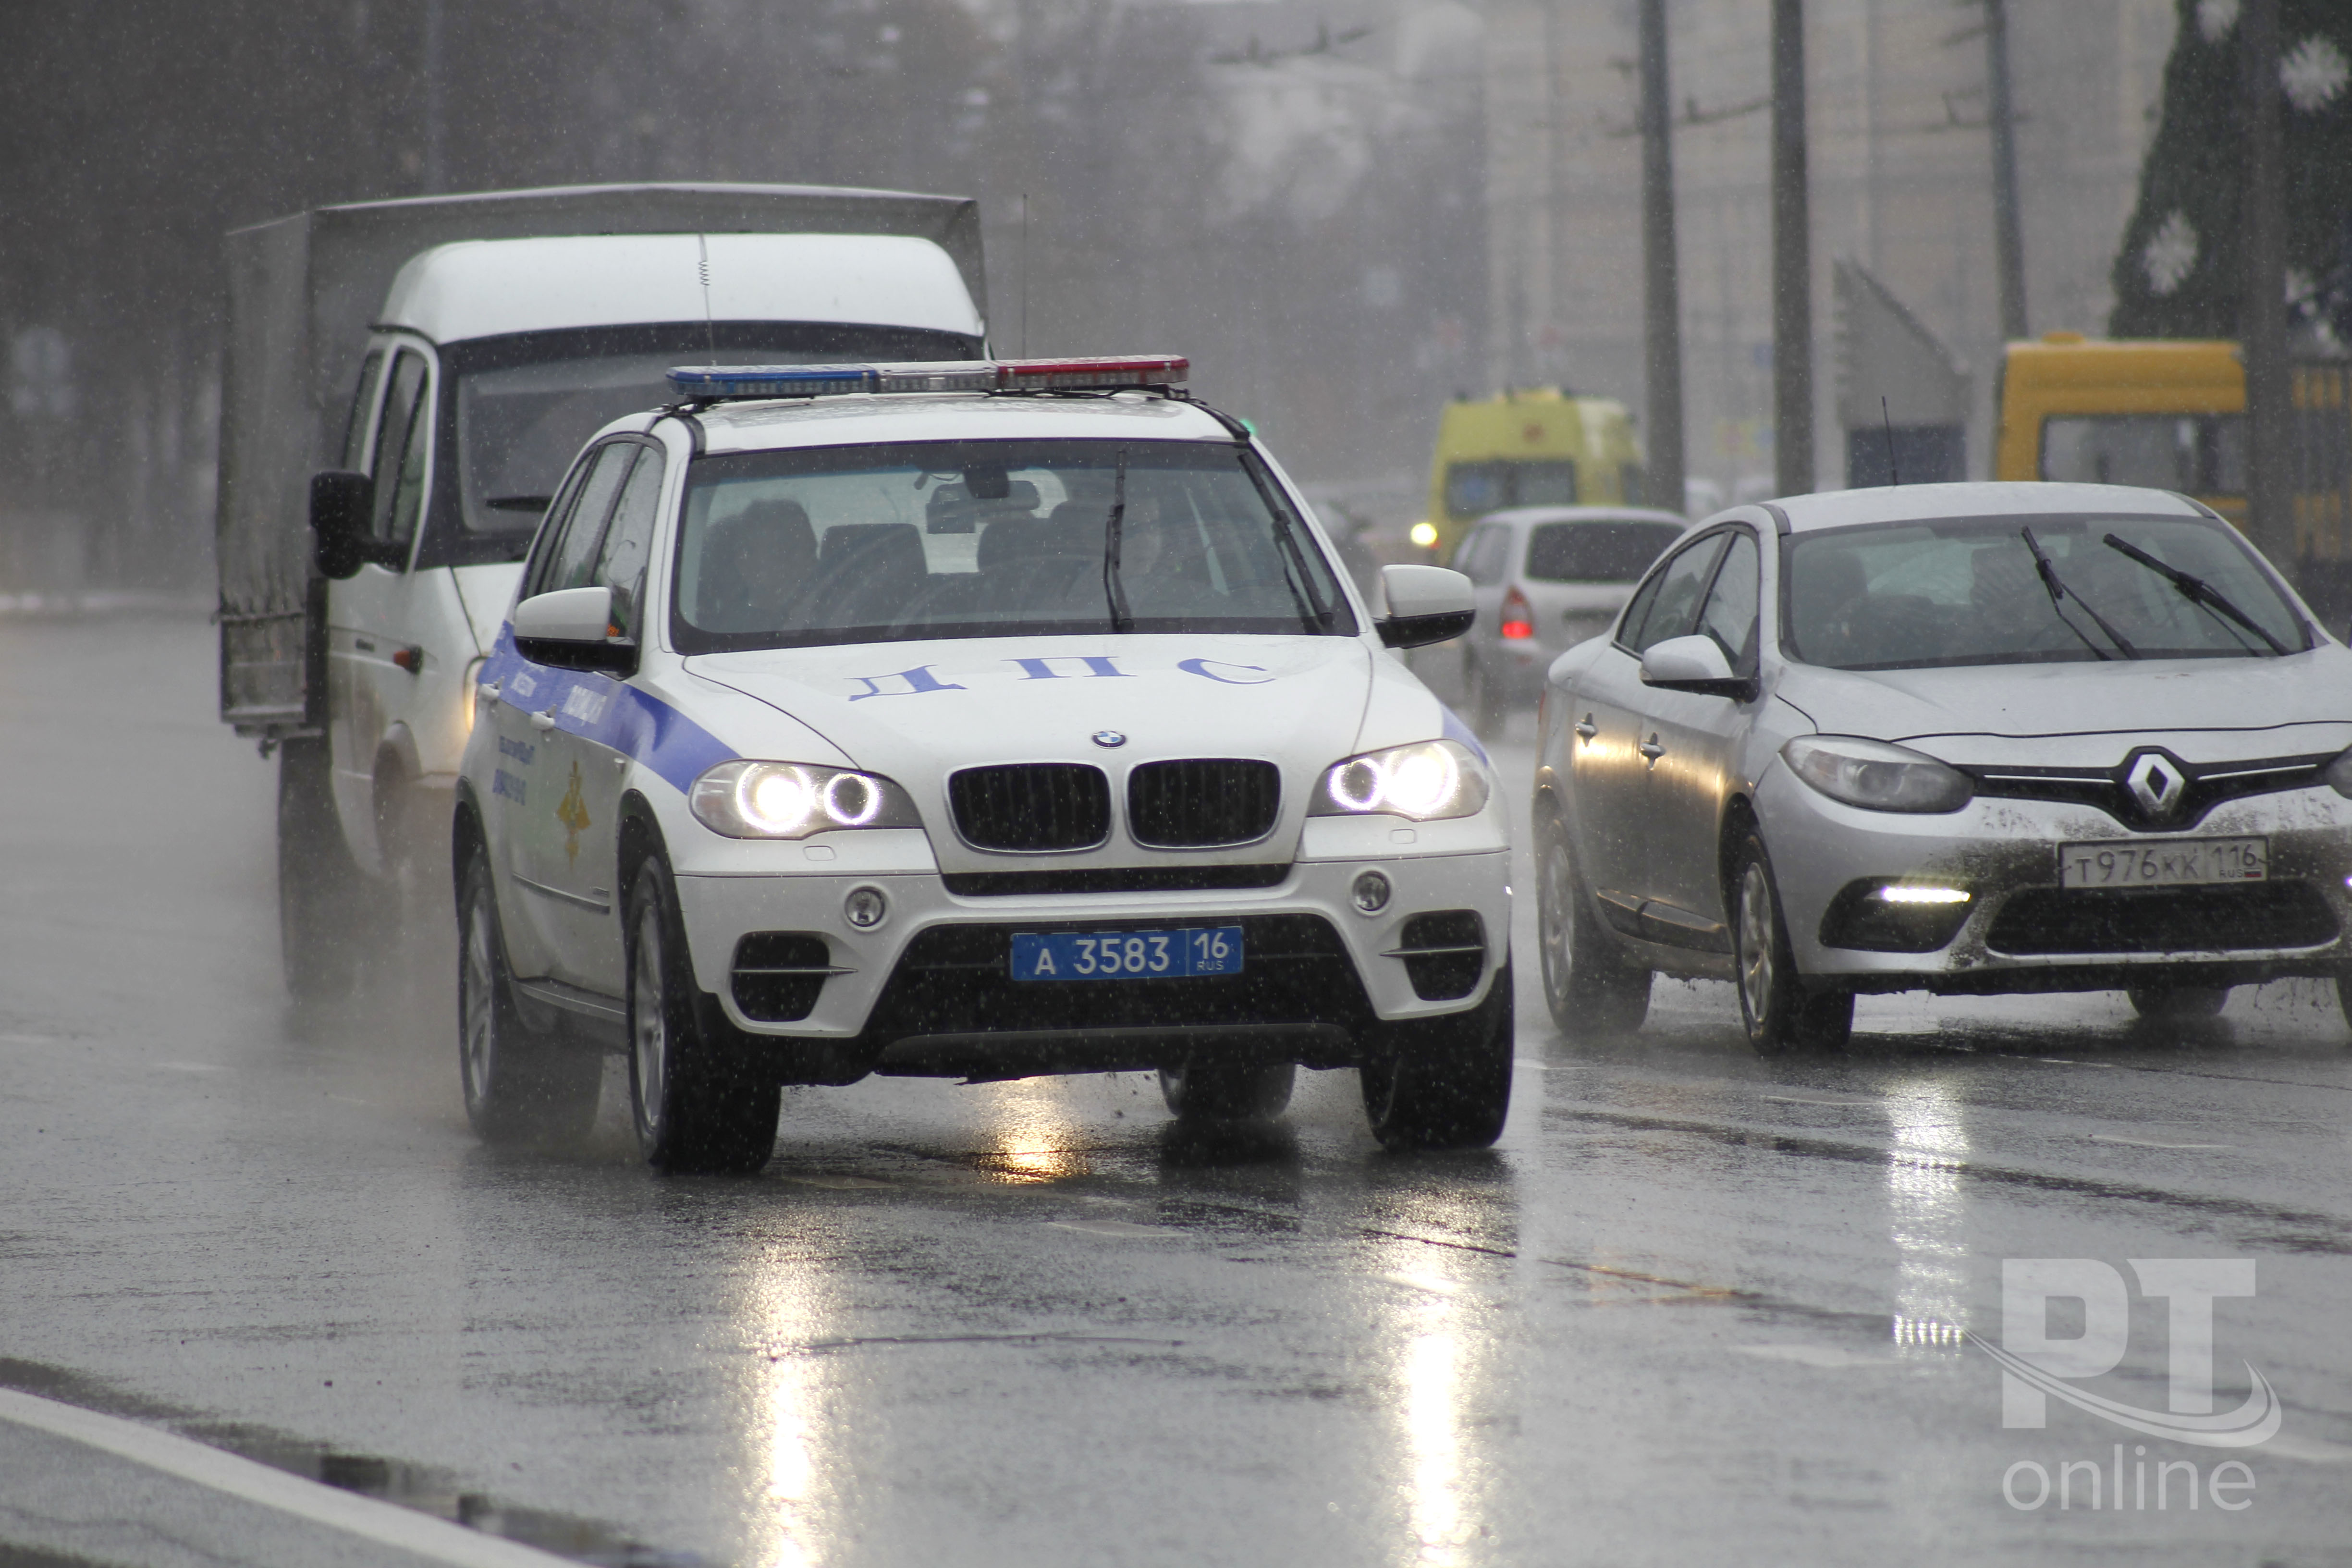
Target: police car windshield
[
  {"x": 884, "y": 543},
  {"x": 1920, "y": 595}
]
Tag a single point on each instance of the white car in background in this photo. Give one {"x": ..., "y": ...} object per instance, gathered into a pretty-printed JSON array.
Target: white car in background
[
  {"x": 1545, "y": 578},
  {"x": 1962, "y": 738},
  {"x": 977, "y": 720}
]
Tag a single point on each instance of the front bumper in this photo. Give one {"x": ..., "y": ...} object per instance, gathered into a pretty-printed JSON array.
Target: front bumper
[
  {"x": 929, "y": 989},
  {"x": 2021, "y": 932}
]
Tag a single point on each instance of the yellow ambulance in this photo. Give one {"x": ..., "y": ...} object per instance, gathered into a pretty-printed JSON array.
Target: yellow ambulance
[{"x": 1539, "y": 446}]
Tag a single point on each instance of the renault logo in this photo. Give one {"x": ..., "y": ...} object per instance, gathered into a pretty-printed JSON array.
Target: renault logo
[{"x": 2155, "y": 781}]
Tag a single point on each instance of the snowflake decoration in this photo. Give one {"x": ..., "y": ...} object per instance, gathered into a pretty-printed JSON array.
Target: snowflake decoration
[
  {"x": 2314, "y": 73},
  {"x": 2215, "y": 18},
  {"x": 2172, "y": 254}
]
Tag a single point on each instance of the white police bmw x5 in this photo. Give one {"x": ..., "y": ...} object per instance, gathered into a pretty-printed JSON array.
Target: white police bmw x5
[{"x": 983, "y": 721}]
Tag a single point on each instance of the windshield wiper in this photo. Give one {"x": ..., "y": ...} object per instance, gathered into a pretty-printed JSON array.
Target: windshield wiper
[
  {"x": 2197, "y": 592},
  {"x": 1122, "y": 620},
  {"x": 2059, "y": 592}
]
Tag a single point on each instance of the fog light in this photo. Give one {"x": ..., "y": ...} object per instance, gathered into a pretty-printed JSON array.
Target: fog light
[
  {"x": 865, "y": 908},
  {"x": 1905, "y": 894},
  {"x": 1371, "y": 892}
]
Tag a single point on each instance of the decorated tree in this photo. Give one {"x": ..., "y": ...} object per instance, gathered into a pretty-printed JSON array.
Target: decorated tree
[{"x": 2181, "y": 271}]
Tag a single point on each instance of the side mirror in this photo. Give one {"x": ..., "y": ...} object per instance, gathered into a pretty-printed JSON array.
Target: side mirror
[
  {"x": 1426, "y": 604},
  {"x": 338, "y": 520},
  {"x": 1692, "y": 664},
  {"x": 572, "y": 628}
]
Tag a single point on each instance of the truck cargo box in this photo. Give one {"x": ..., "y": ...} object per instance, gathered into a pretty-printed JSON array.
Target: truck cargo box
[{"x": 302, "y": 293}]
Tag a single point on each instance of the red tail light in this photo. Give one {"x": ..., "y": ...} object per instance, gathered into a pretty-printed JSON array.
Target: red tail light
[{"x": 1518, "y": 616}]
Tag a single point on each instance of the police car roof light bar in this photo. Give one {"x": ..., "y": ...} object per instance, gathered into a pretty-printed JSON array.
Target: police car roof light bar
[{"x": 712, "y": 382}]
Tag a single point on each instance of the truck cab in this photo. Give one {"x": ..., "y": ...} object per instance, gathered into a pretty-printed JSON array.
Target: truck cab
[{"x": 362, "y": 589}]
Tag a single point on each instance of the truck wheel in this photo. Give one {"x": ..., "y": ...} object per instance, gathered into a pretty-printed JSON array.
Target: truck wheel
[
  {"x": 1779, "y": 1014},
  {"x": 1589, "y": 986},
  {"x": 1445, "y": 1083},
  {"x": 1200, "y": 1092},
  {"x": 699, "y": 1107},
  {"x": 323, "y": 910},
  {"x": 520, "y": 1085}
]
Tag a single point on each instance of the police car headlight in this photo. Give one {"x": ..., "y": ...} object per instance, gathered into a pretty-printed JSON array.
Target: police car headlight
[
  {"x": 1425, "y": 781},
  {"x": 794, "y": 800},
  {"x": 1875, "y": 776}
]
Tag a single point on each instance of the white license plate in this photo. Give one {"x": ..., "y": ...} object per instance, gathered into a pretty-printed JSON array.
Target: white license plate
[{"x": 2164, "y": 863}]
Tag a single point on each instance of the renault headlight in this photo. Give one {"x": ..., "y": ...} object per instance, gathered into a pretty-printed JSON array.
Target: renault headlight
[
  {"x": 1875, "y": 776},
  {"x": 1425, "y": 781},
  {"x": 793, "y": 800}
]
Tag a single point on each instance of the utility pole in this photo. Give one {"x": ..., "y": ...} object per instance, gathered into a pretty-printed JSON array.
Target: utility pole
[
  {"x": 1661, "y": 276},
  {"x": 1792, "y": 259},
  {"x": 434, "y": 174},
  {"x": 2269, "y": 459},
  {"x": 2008, "y": 236}
]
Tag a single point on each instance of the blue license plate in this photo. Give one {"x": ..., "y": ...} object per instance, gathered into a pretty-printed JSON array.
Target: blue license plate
[{"x": 1126, "y": 955}]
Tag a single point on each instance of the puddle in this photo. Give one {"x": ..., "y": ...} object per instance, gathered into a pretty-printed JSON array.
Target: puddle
[{"x": 424, "y": 1487}]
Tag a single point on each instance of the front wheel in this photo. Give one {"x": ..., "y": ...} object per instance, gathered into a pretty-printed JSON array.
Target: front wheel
[
  {"x": 1445, "y": 1083},
  {"x": 521, "y": 1086},
  {"x": 697, "y": 1106},
  {"x": 324, "y": 911},
  {"x": 2179, "y": 1003},
  {"x": 1590, "y": 987},
  {"x": 1779, "y": 1014}
]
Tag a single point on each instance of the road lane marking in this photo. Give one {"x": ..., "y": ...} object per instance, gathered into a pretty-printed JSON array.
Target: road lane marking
[
  {"x": 836, "y": 1183},
  {"x": 1840, "y": 1104},
  {"x": 386, "y": 1523},
  {"x": 2152, "y": 1143}
]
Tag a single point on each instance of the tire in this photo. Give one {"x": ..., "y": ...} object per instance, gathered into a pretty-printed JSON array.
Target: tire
[
  {"x": 1203, "y": 1092},
  {"x": 1482, "y": 693},
  {"x": 696, "y": 1105},
  {"x": 1588, "y": 983},
  {"x": 1445, "y": 1083},
  {"x": 2180, "y": 1004},
  {"x": 521, "y": 1086},
  {"x": 1779, "y": 1014},
  {"x": 324, "y": 926}
]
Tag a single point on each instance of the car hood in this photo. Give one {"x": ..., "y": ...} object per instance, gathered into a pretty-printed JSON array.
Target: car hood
[
  {"x": 2204, "y": 709},
  {"x": 916, "y": 711}
]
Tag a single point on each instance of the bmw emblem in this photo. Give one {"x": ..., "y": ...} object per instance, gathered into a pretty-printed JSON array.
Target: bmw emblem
[{"x": 1108, "y": 738}]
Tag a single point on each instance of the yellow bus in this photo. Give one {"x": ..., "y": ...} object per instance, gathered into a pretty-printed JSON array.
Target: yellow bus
[
  {"x": 2170, "y": 413},
  {"x": 1538, "y": 447},
  {"x": 2167, "y": 413}
]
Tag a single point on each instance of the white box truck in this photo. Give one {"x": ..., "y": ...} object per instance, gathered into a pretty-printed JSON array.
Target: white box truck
[{"x": 404, "y": 383}]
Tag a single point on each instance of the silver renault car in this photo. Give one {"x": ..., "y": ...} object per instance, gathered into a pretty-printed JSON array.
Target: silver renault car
[{"x": 1964, "y": 738}]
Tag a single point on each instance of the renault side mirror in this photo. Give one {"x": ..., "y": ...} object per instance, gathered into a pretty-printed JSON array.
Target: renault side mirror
[
  {"x": 1426, "y": 604},
  {"x": 1692, "y": 664},
  {"x": 338, "y": 520},
  {"x": 572, "y": 628}
]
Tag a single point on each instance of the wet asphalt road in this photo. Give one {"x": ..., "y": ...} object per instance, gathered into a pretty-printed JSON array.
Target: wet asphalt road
[{"x": 1695, "y": 1306}]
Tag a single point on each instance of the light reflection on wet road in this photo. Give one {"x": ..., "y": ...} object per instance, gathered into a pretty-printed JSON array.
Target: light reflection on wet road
[{"x": 1696, "y": 1306}]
